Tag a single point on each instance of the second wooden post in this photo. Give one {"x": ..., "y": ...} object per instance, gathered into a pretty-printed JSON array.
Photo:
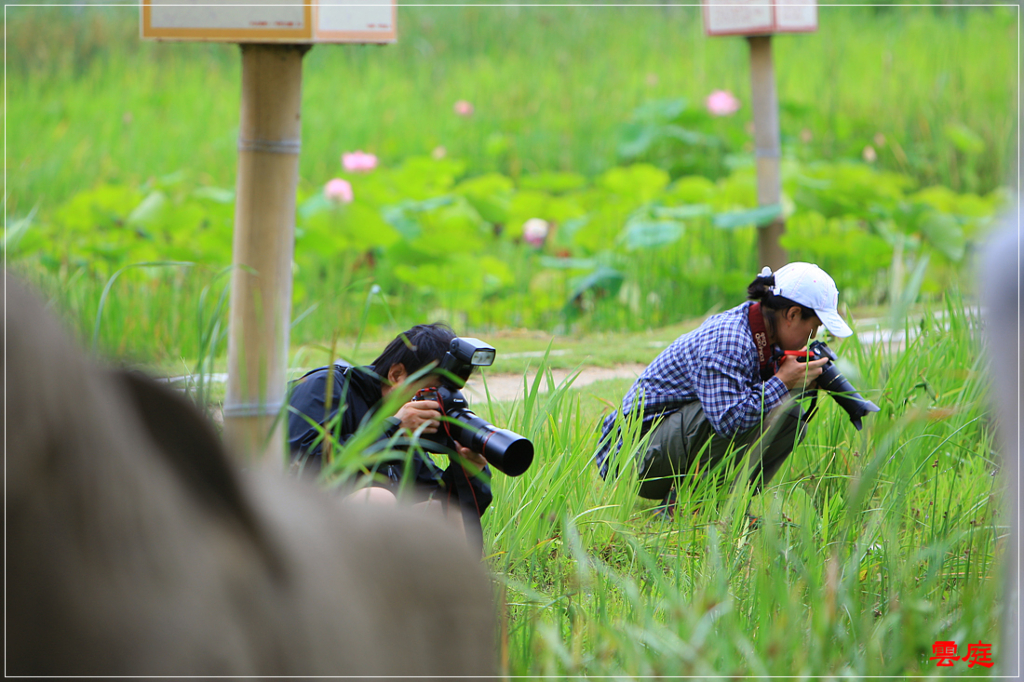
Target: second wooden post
[{"x": 767, "y": 149}]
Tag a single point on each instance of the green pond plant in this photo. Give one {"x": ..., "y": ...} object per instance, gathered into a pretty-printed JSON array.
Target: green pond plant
[{"x": 631, "y": 249}]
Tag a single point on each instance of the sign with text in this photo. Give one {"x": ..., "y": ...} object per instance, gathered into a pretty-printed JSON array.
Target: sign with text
[
  {"x": 271, "y": 21},
  {"x": 759, "y": 17}
]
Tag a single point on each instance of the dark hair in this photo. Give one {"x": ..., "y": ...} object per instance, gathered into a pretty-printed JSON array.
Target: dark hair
[
  {"x": 760, "y": 290},
  {"x": 415, "y": 348}
]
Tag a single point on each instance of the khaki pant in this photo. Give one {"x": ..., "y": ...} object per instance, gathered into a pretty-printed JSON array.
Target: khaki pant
[{"x": 685, "y": 435}]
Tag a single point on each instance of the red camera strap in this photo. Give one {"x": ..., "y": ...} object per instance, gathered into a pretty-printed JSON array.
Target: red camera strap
[{"x": 765, "y": 355}]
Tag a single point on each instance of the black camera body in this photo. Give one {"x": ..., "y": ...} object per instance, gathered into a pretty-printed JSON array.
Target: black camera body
[
  {"x": 833, "y": 381},
  {"x": 505, "y": 450}
]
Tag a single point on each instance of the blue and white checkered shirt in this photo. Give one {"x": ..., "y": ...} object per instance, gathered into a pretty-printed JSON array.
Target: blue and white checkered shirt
[{"x": 715, "y": 364}]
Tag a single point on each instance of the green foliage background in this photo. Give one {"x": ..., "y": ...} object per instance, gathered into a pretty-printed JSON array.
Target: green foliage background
[{"x": 591, "y": 118}]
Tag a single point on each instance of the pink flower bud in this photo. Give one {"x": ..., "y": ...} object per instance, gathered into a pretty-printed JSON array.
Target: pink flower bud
[
  {"x": 463, "y": 108},
  {"x": 722, "y": 103},
  {"x": 535, "y": 231},
  {"x": 358, "y": 162},
  {"x": 338, "y": 190}
]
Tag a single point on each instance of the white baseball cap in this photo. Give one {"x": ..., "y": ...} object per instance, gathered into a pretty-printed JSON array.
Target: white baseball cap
[{"x": 811, "y": 287}]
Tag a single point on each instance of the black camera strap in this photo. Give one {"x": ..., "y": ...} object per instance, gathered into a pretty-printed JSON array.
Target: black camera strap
[{"x": 766, "y": 357}]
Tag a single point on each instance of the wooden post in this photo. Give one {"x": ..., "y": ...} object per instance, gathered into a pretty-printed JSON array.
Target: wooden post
[
  {"x": 767, "y": 149},
  {"x": 269, "y": 141}
]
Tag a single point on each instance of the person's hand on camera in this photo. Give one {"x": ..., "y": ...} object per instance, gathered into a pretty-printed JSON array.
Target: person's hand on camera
[
  {"x": 415, "y": 413},
  {"x": 798, "y": 375},
  {"x": 471, "y": 461}
]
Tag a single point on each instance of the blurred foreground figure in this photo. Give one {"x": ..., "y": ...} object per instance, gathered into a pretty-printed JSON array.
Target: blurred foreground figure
[
  {"x": 1002, "y": 303},
  {"x": 134, "y": 547}
]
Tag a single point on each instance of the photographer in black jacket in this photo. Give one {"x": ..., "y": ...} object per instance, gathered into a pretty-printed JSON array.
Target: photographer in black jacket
[{"x": 364, "y": 390}]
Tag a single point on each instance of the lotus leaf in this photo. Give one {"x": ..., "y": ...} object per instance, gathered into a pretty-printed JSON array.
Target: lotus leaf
[
  {"x": 639, "y": 182},
  {"x": 553, "y": 182},
  {"x": 648, "y": 234},
  {"x": 762, "y": 215}
]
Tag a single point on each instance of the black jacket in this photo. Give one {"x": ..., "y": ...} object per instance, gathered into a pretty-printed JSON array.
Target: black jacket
[{"x": 360, "y": 388}]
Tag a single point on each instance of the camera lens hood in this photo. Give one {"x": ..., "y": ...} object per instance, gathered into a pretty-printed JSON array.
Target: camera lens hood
[
  {"x": 507, "y": 451},
  {"x": 833, "y": 381}
]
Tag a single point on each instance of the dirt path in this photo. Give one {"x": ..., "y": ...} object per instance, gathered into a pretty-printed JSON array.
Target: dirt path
[{"x": 505, "y": 387}]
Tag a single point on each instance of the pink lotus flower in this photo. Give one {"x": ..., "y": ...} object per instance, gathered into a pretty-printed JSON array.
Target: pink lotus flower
[
  {"x": 722, "y": 103},
  {"x": 338, "y": 190},
  {"x": 463, "y": 108},
  {"x": 535, "y": 231},
  {"x": 358, "y": 161}
]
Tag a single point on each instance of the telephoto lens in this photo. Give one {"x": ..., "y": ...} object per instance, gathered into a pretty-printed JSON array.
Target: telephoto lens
[
  {"x": 833, "y": 381},
  {"x": 505, "y": 450}
]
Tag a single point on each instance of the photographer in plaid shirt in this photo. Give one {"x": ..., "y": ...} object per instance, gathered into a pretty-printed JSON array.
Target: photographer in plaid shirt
[{"x": 728, "y": 384}]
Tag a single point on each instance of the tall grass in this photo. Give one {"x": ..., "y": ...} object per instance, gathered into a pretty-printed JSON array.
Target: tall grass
[
  {"x": 163, "y": 315},
  {"x": 872, "y": 545}
]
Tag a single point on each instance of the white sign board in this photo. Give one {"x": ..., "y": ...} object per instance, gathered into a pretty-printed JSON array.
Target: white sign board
[
  {"x": 759, "y": 17},
  {"x": 270, "y": 21}
]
